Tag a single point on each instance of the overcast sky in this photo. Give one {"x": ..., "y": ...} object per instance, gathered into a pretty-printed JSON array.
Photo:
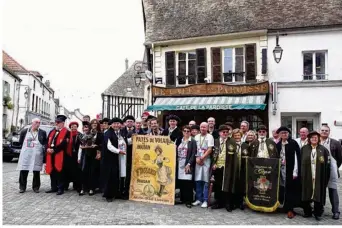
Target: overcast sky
[{"x": 79, "y": 45}]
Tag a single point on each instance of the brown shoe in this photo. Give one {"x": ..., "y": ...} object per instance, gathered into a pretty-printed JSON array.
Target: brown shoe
[{"x": 290, "y": 215}]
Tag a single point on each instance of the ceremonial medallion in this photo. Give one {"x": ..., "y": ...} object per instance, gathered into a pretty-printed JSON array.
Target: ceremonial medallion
[
  {"x": 271, "y": 147},
  {"x": 230, "y": 148},
  {"x": 321, "y": 159},
  {"x": 245, "y": 152}
]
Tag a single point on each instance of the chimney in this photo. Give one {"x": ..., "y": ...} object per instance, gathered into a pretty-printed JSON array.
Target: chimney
[{"x": 126, "y": 63}]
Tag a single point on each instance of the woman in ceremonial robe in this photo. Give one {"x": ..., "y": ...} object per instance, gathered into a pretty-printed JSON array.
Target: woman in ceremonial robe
[{"x": 315, "y": 173}]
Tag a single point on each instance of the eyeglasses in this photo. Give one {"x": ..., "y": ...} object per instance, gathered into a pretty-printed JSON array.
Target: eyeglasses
[
  {"x": 262, "y": 131},
  {"x": 186, "y": 131},
  {"x": 325, "y": 130},
  {"x": 225, "y": 132}
]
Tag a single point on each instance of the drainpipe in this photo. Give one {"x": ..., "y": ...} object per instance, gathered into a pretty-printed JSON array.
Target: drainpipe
[{"x": 17, "y": 105}]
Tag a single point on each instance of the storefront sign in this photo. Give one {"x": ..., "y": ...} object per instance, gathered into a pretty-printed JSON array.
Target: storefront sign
[
  {"x": 212, "y": 89},
  {"x": 262, "y": 184},
  {"x": 153, "y": 170}
]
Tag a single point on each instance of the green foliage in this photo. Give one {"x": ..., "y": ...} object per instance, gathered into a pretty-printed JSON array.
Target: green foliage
[
  {"x": 9, "y": 105},
  {"x": 6, "y": 99}
]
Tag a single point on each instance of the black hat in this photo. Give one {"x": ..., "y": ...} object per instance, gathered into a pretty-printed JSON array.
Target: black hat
[
  {"x": 283, "y": 128},
  {"x": 116, "y": 120},
  {"x": 314, "y": 133},
  {"x": 173, "y": 117},
  {"x": 223, "y": 128},
  {"x": 85, "y": 123},
  {"x": 150, "y": 117},
  {"x": 107, "y": 120},
  {"x": 196, "y": 127},
  {"x": 61, "y": 118},
  {"x": 129, "y": 117},
  {"x": 262, "y": 127},
  {"x": 229, "y": 124},
  {"x": 100, "y": 122}
]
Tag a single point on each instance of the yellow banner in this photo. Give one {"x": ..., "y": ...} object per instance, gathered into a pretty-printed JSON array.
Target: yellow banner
[{"x": 153, "y": 170}]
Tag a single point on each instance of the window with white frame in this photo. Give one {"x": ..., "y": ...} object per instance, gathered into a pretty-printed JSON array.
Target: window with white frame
[
  {"x": 315, "y": 65},
  {"x": 233, "y": 64},
  {"x": 6, "y": 88},
  {"x": 186, "y": 67}
]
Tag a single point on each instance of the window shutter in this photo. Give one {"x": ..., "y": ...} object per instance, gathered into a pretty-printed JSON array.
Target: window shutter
[
  {"x": 216, "y": 64},
  {"x": 170, "y": 66},
  {"x": 250, "y": 62},
  {"x": 264, "y": 61},
  {"x": 201, "y": 65}
]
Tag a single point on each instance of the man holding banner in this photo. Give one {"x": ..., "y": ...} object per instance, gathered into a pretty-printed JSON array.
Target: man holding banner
[
  {"x": 263, "y": 170},
  {"x": 289, "y": 194}
]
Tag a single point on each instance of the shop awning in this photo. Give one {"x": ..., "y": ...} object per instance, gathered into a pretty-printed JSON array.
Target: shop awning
[{"x": 209, "y": 103}]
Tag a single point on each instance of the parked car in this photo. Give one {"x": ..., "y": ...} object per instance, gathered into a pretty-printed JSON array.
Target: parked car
[{"x": 11, "y": 146}]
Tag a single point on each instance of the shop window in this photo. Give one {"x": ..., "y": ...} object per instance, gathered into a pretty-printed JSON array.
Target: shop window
[
  {"x": 315, "y": 65},
  {"x": 253, "y": 120}
]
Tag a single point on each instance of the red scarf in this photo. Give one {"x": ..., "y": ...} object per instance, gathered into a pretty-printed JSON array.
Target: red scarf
[
  {"x": 74, "y": 133},
  {"x": 59, "y": 157}
]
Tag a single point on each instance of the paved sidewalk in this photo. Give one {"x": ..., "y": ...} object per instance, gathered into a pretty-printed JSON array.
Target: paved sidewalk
[{"x": 70, "y": 209}]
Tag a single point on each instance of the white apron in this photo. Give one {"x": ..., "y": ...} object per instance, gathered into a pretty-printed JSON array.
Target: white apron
[
  {"x": 122, "y": 157},
  {"x": 31, "y": 154},
  {"x": 202, "y": 172}
]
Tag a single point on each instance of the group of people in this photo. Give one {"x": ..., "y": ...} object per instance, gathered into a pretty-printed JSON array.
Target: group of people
[{"x": 100, "y": 160}]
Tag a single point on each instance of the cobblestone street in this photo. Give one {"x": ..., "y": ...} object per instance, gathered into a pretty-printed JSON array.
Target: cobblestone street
[{"x": 70, "y": 209}]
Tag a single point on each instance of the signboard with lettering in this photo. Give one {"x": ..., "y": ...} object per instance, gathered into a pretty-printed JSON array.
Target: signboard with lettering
[
  {"x": 153, "y": 170},
  {"x": 212, "y": 89},
  {"x": 262, "y": 184}
]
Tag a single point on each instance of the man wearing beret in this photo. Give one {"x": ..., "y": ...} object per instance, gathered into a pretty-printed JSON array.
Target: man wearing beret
[
  {"x": 289, "y": 194},
  {"x": 173, "y": 131},
  {"x": 263, "y": 147},
  {"x": 114, "y": 161},
  {"x": 59, "y": 144},
  {"x": 128, "y": 132},
  {"x": 105, "y": 124}
]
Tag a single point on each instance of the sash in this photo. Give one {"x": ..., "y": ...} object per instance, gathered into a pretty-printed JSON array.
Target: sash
[{"x": 59, "y": 157}]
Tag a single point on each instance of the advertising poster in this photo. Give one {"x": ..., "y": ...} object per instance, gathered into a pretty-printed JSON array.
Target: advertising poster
[{"x": 153, "y": 170}]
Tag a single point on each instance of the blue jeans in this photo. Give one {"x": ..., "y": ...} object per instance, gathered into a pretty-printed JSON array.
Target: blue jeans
[{"x": 202, "y": 191}]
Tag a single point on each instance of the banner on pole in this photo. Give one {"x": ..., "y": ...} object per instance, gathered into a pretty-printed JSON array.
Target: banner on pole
[
  {"x": 262, "y": 178},
  {"x": 153, "y": 170}
]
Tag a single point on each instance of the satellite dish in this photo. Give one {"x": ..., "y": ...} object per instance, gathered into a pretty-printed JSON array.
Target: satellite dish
[{"x": 148, "y": 75}]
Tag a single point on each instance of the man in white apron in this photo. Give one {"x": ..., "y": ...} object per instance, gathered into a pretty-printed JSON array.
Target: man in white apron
[
  {"x": 32, "y": 141},
  {"x": 335, "y": 151}
]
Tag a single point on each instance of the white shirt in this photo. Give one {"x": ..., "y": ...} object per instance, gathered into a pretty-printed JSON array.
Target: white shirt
[
  {"x": 282, "y": 152},
  {"x": 263, "y": 153},
  {"x": 203, "y": 143}
]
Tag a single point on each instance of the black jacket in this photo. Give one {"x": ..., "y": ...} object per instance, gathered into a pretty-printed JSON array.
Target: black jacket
[
  {"x": 176, "y": 134},
  {"x": 42, "y": 138},
  {"x": 336, "y": 152}
]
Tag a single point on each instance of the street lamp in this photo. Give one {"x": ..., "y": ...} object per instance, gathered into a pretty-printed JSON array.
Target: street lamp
[{"x": 277, "y": 51}]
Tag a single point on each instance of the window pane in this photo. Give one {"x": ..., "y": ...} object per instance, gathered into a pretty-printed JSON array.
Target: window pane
[
  {"x": 192, "y": 55},
  {"x": 191, "y": 67},
  {"x": 238, "y": 64},
  {"x": 287, "y": 122},
  {"x": 307, "y": 61},
  {"x": 181, "y": 68},
  {"x": 320, "y": 63},
  {"x": 228, "y": 60},
  {"x": 181, "y": 56},
  {"x": 181, "y": 80},
  {"x": 239, "y": 51}
]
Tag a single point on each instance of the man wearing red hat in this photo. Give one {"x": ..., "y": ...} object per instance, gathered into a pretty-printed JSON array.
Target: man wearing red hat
[{"x": 59, "y": 144}]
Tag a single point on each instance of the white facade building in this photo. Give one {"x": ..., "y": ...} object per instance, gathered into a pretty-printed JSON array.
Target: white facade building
[
  {"x": 36, "y": 99},
  {"x": 308, "y": 80},
  {"x": 10, "y": 83}
]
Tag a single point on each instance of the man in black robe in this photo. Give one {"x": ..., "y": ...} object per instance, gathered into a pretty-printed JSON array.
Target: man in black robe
[
  {"x": 173, "y": 131},
  {"x": 315, "y": 174},
  {"x": 289, "y": 192},
  {"x": 263, "y": 147},
  {"x": 128, "y": 132},
  {"x": 110, "y": 161}
]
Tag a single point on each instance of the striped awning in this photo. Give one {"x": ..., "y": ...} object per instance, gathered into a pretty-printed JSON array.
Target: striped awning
[{"x": 209, "y": 103}]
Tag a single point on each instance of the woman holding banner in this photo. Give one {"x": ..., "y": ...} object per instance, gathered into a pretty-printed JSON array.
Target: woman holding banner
[{"x": 186, "y": 151}]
